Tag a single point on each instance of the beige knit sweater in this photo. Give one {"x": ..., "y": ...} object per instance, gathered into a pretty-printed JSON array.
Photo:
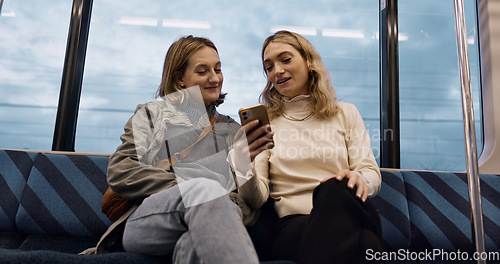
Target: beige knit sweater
[{"x": 306, "y": 152}]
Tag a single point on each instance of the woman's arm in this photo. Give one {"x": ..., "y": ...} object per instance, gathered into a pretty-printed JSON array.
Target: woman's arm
[
  {"x": 250, "y": 161},
  {"x": 255, "y": 190},
  {"x": 127, "y": 174},
  {"x": 361, "y": 159},
  {"x": 363, "y": 172}
]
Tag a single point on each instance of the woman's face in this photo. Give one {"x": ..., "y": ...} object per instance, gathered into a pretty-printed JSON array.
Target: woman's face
[
  {"x": 286, "y": 69},
  {"x": 204, "y": 69}
]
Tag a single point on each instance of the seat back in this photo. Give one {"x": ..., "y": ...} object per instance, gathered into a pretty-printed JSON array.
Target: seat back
[
  {"x": 63, "y": 196},
  {"x": 15, "y": 167}
]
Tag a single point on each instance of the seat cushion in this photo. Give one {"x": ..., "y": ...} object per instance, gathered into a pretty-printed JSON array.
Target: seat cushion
[
  {"x": 53, "y": 257},
  {"x": 393, "y": 211},
  {"x": 63, "y": 197},
  {"x": 10, "y": 240},
  {"x": 15, "y": 166},
  {"x": 59, "y": 244}
]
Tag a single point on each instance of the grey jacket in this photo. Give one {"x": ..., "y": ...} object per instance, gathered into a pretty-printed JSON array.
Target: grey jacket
[{"x": 131, "y": 173}]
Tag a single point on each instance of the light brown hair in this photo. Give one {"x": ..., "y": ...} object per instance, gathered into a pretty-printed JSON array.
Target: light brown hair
[{"x": 176, "y": 62}]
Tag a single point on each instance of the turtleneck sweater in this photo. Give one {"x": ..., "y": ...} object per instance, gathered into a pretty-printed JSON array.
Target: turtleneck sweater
[{"x": 307, "y": 152}]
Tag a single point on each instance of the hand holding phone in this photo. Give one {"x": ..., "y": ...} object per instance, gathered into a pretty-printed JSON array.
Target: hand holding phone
[
  {"x": 255, "y": 112},
  {"x": 259, "y": 136}
]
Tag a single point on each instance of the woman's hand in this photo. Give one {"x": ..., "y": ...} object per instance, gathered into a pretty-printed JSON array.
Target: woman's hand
[
  {"x": 251, "y": 140},
  {"x": 354, "y": 180}
]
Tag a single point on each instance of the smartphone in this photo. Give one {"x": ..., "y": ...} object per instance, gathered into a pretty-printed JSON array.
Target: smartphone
[{"x": 254, "y": 112}]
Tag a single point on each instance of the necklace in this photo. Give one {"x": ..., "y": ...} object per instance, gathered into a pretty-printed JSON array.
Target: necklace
[{"x": 291, "y": 118}]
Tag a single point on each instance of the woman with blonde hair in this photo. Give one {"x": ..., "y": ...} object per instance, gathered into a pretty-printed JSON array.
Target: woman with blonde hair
[{"x": 321, "y": 170}]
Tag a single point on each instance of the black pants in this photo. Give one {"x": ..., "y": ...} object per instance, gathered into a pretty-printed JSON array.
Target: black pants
[{"x": 339, "y": 229}]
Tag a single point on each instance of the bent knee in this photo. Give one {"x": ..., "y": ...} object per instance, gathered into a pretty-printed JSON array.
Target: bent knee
[
  {"x": 334, "y": 185},
  {"x": 335, "y": 191},
  {"x": 200, "y": 190}
]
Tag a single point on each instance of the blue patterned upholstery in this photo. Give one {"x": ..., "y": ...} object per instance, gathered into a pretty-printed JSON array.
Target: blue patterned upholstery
[
  {"x": 440, "y": 210},
  {"x": 63, "y": 197},
  {"x": 15, "y": 167},
  {"x": 393, "y": 210},
  {"x": 50, "y": 205}
]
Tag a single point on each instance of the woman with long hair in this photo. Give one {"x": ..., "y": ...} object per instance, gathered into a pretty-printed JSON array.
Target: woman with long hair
[{"x": 321, "y": 170}]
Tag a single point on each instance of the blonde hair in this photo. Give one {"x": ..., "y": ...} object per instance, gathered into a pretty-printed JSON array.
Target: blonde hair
[
  {"x": 323, "y": 98},
  {"x": 176, "y": 62}
]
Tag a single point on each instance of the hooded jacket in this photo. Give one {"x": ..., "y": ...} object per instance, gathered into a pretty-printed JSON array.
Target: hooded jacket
[{"x": 131, "y": 171}]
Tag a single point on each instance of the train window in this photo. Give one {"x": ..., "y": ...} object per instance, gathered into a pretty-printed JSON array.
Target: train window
[
  {"x": 432, "y": 134},
  {"x": 33, "y": 37},
  {"x": 127, "y": 46}
]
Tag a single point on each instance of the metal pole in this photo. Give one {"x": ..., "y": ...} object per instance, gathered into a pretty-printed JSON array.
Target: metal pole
[
  {"x": 1, "y": 3},
  {"x": 389, "y": 85},
  {"x": 71, "y": 83},
  {"x": 470, "y": 133}
]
